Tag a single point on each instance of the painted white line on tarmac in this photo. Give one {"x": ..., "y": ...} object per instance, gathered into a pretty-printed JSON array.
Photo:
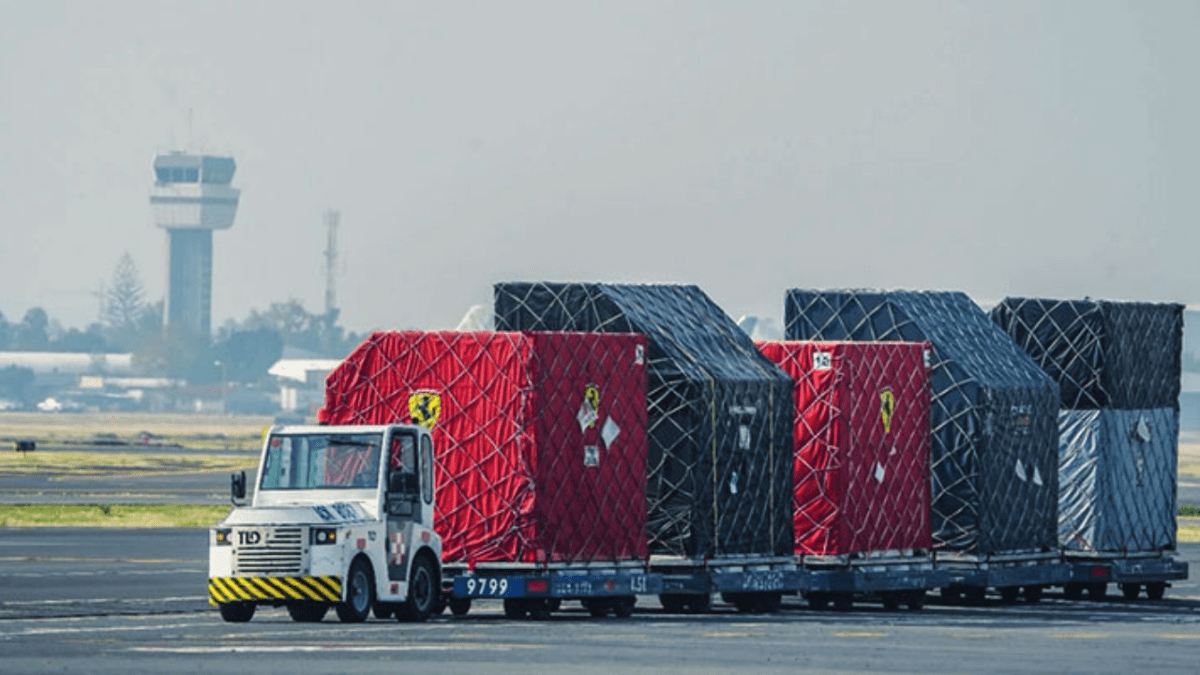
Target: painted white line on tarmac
[
  {"x": 103, "y": 573},
  {"x": 285, "y": 649},
  {"x": 93, "y": 601},
  {"x": 96, "y": 629}
]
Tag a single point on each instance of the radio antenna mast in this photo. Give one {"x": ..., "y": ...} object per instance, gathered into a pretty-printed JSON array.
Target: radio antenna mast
[{"x": 331, "y": 254}]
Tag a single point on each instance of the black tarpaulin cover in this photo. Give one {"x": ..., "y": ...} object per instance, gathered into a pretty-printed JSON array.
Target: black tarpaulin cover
[
  {"x": 1117, "y": 471},
  {"x": 994, "y": 433},
  {"x": 1103, "y": 354},
  {"x": 719, "y": 418}
]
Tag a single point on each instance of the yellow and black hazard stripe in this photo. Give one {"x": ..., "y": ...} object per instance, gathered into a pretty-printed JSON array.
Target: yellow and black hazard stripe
[{"x": 223, "y": 590}]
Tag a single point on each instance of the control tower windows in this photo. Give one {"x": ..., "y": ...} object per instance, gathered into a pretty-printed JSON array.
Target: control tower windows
[
  {"x": 218, "y": 170},
  {"x": 176, "y": 174}
]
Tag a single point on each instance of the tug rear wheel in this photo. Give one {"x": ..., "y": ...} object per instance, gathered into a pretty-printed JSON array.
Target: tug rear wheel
[{"x": 423, "y": 586}]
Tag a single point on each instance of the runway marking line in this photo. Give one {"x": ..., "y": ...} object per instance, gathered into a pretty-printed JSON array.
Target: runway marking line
[
  {"x": 859, "y": 634},
  {"x": 133, "y": 561},
  {"x": 284, "y": 649},
  {"x": 1079, "y": 636},
  {"x": 94, "y": 601}
]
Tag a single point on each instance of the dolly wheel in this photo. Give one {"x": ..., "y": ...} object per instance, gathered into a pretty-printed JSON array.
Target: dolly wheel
[
  {"x": 1096, "y": 591},
  {"x": 818, "y": 601},
  {"x": 890, "y": 600},
  {"x": 915, "y": 599}
]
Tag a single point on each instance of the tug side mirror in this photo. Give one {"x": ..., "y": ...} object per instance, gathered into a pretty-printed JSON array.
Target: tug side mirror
[{"x": 237, "y": 487}]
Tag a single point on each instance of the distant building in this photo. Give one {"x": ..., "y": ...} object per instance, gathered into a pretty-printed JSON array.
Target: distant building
[
  {"x": 69, "y": 364},
  {"x": 302, "y": 383},
  {"x": 192, "y": 197}
]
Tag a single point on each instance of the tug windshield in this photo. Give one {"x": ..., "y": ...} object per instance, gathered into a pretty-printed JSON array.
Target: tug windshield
[{"x": 321, "y": 461}]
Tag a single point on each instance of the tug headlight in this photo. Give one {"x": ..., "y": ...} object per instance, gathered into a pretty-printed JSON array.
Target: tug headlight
[
  {"x": 222, "y": 536},
  {"x": 324, "y": 535}
]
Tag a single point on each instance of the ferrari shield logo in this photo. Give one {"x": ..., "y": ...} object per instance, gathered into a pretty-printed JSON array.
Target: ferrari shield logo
[
  {"x": 887, "y": 406},
  {"x": 589, "y": 409},
  {"x": 424, "y": 408}
]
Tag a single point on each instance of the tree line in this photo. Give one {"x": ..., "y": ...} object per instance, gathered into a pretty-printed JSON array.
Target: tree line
[{"x": 240, "y": 351}]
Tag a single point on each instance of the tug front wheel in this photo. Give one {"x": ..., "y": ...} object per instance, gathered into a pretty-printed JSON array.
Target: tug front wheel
[{"x": 360, "y": 593}]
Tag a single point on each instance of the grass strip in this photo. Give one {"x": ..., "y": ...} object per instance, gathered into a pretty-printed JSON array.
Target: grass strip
[
  {"x": 111, "y": 515},
  {"x": 119, "y": 463},
  {"x": 1188, "y": 530}
]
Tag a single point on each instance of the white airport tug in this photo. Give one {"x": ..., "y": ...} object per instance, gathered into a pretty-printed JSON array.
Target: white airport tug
[{"x": 342, "y": 517}]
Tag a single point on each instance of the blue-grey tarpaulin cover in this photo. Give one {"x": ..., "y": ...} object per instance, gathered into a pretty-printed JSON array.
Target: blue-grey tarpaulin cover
[
  {"x": 720, "y": 414},
  {"x": 994, "y": 432},
  {"x": 1103, "y": 354},
  {"x": 1117, "y": 472}
]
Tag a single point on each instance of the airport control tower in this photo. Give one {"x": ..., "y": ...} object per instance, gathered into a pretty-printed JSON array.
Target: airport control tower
[{"x": 191, "y": 198}]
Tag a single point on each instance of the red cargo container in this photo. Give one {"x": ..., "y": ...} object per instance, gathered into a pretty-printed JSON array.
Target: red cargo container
[
  {"x": 861, "y": 472},
  {"x": 540, "y": 438}
]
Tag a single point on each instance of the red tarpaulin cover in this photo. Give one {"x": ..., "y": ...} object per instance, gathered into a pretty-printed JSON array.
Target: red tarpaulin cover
[
  {"x": 861, "y": 475},
  {"x": 540, "y": 438}
]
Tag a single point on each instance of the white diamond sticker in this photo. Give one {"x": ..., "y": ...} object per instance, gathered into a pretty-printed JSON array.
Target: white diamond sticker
[
  {"x": 609, "y": 431},
  {"x": 591, "y": 456},
  {"x": 1142, "y": 430},
  {"x": 1021, "y": 471},
  {"x": 1037, "y": 477},
  {"x": 879, "y": 472}
]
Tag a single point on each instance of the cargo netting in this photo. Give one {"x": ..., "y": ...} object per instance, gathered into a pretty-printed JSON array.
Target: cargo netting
[
  {"x": 1103, "y": 354},
  {"x": 861, "y": 473},
  {"x": 540, "y": 438},
  {"x": 993, "y": 413},
  {"x": 1117, "y": 474},
  {"x": 719, "y": 413}
]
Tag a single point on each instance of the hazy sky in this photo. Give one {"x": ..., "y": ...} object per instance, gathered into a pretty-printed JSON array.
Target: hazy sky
[{"x": 999, "y": 148}]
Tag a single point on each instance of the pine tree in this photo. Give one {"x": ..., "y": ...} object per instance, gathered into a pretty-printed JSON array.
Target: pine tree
[{"x": 124, "y": 307}]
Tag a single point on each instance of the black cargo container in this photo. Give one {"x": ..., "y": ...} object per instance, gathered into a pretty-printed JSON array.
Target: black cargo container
[
  {"x": 1123, "y": 355},
  {"x": 720, "y": 414},
  {"x": 994, "y": 431}
]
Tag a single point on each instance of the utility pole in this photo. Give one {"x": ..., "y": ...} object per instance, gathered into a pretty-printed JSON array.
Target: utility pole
[{"x": 331, "y": 254}]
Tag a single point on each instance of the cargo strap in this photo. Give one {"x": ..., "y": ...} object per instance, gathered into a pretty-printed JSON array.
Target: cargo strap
[{"x": 233, "y": 589}]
